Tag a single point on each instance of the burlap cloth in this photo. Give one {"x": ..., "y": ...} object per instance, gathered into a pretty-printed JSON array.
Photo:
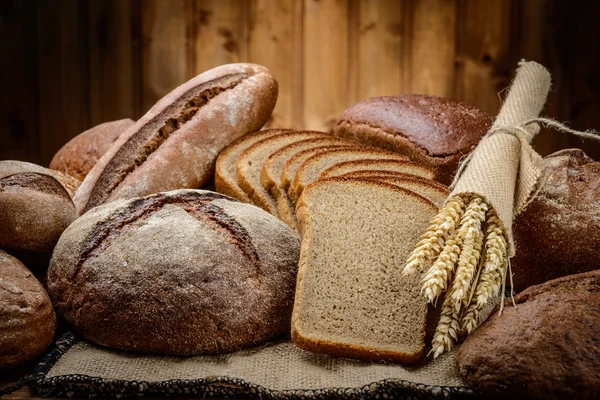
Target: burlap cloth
[{"x": 277, "y": 369}]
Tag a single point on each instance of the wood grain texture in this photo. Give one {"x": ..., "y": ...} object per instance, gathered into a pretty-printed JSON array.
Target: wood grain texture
[
  {"x": 63, "y": 74},
  {"x": 221, "y": 33},
  {"x": 326, "y": 62},
  {"x": 431, "y": 47},
  {"x": 271, "y": 44},
  {"x": 114, "y": 60},
  {"x": 18, "y": 104},
  {"x": 166, "y": 44}
]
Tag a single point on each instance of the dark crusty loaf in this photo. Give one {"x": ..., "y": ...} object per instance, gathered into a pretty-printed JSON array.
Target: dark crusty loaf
[
  {"x": 176, "y": 143},
  {"x": 182, "y": 272},
  {"x": 80, "y": 154},
  {"x": 547, "y": 348},
  {"x": 559, "y": 232},
  {"x": 433, "y": 131},
  {"x": 35, "y": 209},
  {"x": 27, "y": 320},
  {"x": 11, "y": 167}
]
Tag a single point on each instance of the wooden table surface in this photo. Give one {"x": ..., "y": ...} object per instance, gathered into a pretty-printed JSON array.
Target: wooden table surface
[{"x": 11, "y": 377}]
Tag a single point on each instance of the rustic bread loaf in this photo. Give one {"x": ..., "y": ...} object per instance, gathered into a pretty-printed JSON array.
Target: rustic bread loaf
[
  {"x": 314, "y": 166},
  {"x": 251, "y": 161},
  {"x": 433, "y": 131},
  {"x": 176, "y": 143},
  {"x": 35, "y": 210},
  {"x": 407, "y": 167},
  {"x": 182, "y": 272},
  {"x": 226, "y": 166},
  {"x": 77, "y": 157},
  {"x": 559, "y": 232},
  {"x": 351, "y": 298},
  {"x": 27, "y": 320},
  {"x": 433, "y": 191},
  {"x": 11, "y": 167},
  {"x": 548, "y": 347}
]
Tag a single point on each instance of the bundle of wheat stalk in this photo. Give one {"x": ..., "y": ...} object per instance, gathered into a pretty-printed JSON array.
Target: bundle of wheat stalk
[{"x": 466, "y": 241}]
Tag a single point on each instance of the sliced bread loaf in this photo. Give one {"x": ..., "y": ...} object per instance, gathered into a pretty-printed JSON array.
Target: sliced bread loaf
[
  {"x": 226, "y": 166},
  {"x": 433, "y": 191},
  {"x": 407, "y": 167},
  {"x": 351, "y": 297},
  {"x": 310, "y": 169},
  {"x": 251, "y": 160}
]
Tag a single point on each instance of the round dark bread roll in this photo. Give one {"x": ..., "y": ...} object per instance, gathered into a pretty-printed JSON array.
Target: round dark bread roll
[
  {"x": 433, "y": 131},
  {"x": 27, "y": 320},
  {"x": 35, "y": 210},
  {"x": 182, "y": 272},
  {"x": 79, "y": 155},
  {"x": 548, "y": 347},
  {"x": 11, "y": 167},
  {"x": 558, "y": 233}
]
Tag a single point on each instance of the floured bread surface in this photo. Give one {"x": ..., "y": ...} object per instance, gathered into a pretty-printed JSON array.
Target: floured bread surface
[
  {"x": 251, "y": 161},
  {"x": 226, "y": 166},
  {"x": 407, "y": 167},
  {"x": 310, "y": 169},
  {"x": 351, "y": 297}
]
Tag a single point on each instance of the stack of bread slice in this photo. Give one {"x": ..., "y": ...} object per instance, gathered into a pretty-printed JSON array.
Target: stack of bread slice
[{"x": 360, "y": 211}]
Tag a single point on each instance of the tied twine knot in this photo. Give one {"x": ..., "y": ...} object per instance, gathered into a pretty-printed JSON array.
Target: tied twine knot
[{"x": 525, "y": 137}]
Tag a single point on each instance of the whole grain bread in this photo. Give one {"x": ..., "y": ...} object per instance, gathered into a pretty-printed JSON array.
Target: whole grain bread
[
  {"x": 559, "y": 231},
  {"x": 351, "y": 297},
  {"x": 35, "y": 210},
  {"x": 433, "y": 131},
  {"x": 251, "y": 161},
  {"x": 77, "y": 157},
  {"x": 215, "y": 274},
  {"x": 176, "y": 143},
  {"x": 11, "y": 167},
  {"x": 27, "y": 320},
  {"x": 226, "y": 165},
  {"x": 313, "y": 167},
  {"x": 433, "y": 191},
  {"x": 548, "y": 347},
  {"x": 407, "y": 167}
]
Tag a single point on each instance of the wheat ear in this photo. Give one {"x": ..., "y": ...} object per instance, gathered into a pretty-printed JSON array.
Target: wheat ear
[
  {"x": 432, "y": 242},
  {"x": 438, "y": 277},
  {"x": 446, "y": 332}
]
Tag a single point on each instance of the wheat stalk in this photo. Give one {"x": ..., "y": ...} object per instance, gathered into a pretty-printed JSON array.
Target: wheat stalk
[
  {"x": 432, "y": 242},
  {"x": 437, "y": 278},
  {"x": 446, "y": 332}
]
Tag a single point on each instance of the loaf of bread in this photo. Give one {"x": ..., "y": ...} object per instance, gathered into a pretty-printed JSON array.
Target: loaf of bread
[
  {"x": 433, "y": 131},
  {"x": 548, "y": 347},
  {"x": 176, "y": 143},
  {"x": 35, "y": 210},
  {"x": 559, "y": 231},
  {"x": 11, "y": 167},
  {"x": 80, "y": 154},
  {"x": 407, "y": 167},
  {"x": 351, "y": 298},
  {"x": 181, "y": 272},
  {"x": 27, "y": 320}
]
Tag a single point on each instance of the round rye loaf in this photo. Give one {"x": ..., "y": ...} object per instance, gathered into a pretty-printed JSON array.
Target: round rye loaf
[{"x": 182, "y": 272}]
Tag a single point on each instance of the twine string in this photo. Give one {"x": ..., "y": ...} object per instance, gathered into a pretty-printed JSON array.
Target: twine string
[{"x": 525, "y": 137}]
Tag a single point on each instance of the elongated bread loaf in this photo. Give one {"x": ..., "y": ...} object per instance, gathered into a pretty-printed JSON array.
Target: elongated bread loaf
[{"x": 176, "y": 143}]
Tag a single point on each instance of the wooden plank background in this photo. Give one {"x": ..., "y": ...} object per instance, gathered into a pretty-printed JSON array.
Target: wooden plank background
[{"x": 67, "y": 65}]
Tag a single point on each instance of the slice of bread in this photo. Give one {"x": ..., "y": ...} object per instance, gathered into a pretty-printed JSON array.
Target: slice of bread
[
  {"x": 408, "y": 167},
  {"x": 226, "y": 165},
  {"x": 433, "y": 191},
  {"x": 351, "y": 297},
  {"x": 251, "y": 160},
  {"x": 270, "y": 176},
  {"x": 310, "y": 169}
]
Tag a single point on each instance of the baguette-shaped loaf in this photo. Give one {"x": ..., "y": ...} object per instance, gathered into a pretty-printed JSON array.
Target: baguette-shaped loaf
[{"x": 176, "y": 143}]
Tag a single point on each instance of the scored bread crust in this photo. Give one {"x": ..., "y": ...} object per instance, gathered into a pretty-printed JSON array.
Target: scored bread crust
[
  {"x": 226, "y": 165},
  {"x": 303, "y": 177},
  {"x": 251, "y": 160},
  {"x": 328, "y": 346},
  {"x": 408, "y": 167}
]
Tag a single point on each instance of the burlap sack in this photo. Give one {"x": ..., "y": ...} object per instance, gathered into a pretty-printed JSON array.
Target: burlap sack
[{"x": 504, "y": 168}]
